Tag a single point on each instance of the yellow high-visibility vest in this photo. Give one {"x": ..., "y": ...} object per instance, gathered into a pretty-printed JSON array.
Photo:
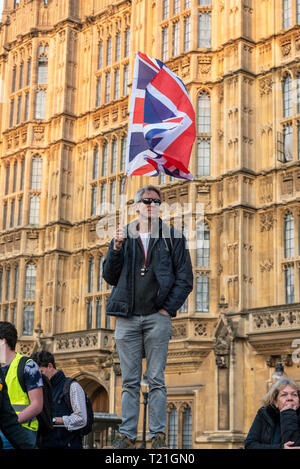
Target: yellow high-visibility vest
[{"x": 18, "y": 398}]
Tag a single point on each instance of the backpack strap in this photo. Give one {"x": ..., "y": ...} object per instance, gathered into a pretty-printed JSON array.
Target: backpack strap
[{"x": 20, "y": 372}]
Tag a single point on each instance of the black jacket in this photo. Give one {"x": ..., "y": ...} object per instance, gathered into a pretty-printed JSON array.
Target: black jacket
[
  {"x": 262, "y": 431},
  {"x": 170, "y": 263},
  {"x": 9, "y": 424}
]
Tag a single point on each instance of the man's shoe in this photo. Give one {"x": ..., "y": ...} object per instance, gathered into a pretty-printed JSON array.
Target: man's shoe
[
  {"x": 123, "y": 442},
  {"x": 159, "y": 441}
]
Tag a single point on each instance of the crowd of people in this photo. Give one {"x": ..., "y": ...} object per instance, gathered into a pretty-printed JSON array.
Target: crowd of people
[{"x": 149, "y": 266}]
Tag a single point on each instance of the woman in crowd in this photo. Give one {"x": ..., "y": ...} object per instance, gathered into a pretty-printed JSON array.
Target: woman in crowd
[{"x": 277, "y": 422}]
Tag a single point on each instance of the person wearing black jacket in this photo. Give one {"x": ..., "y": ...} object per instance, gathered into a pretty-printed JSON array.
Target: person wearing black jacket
[
  {"x": 150, "y": 268},
  {"x": 276, "y": 425},
  {"x": 9, "y": 424}
]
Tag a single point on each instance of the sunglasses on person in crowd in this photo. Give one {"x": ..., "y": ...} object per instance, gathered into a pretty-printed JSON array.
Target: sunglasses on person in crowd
[{"x": 149, "y": 200}]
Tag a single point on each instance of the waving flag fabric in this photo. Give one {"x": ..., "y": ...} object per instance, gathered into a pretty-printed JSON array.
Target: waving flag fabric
[{"x": 161, "y": 128}]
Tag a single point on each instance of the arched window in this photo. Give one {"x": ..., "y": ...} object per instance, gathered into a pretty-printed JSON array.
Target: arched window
[
  {"x": 202, "y": 293},
  {"x": 96, "y": 162},
  {"x": 204, "y": 29},
  {"x": 289, "y": 235},
  {"x": 104, "y": 159},
  {"x": 36, "y": 172},
  {"x": 203, "y": 240},
  {"x": 34, "y": 209},
  {"x": 40, "y": 104},
  {"x": 91, "y": 275},
  {"x": 30, "y": 281},
  {"x": 204, "y": 113},
  {"x": 42, "y": 77},
  {"x": 187, "y": 435},
  {"x": 173, "y": 428},
  {"x": 204, "y": 137},
  {"x": 286, "y": 13},
  {"x": 100, "y": 278},
  {"x": 287, "y": 96},
  {"x": 114, "y": 154}
]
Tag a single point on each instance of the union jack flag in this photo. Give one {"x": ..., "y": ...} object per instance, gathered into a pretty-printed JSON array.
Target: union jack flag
[{"x": 161, "y": 129}]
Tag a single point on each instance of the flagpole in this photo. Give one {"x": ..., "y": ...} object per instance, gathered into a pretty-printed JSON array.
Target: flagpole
[{"x": 124, "y": 204}]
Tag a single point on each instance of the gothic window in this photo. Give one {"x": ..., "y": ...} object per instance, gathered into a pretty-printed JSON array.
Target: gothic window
[
  {"x": 100, "y": 55},
  {"x": 165, "y": 40},
  {"x": 89, "y": 314},
  {"x": 202, "y": 293},
  {"x": 22, "y": 174},
  {"x": 12, "y": 213},
  {"x": 107, "y": 322},
  {"x": 98, "y": 91},
  {"x": 175, "y": 38},
  {"x": 104, "y": 159},
  {"x": 173, "y": 428},
  {"x": 4, "y": 219},
  {"x": 19, "y": 107},
  {"x": 7, "y": 289},
  {"x": 204, "y": 2},
  {"x": 289, "y": 236},
  {"x": 204, "y": 29},
  {"x": 289, "y": 284},
  {"x": 176, "y": 6},
  {"x": 28, "y": 320},
  {"x": 26, "y": 109},
  {"x": 100, "y": 278},
  {"x": 11, "y": 113},
  {"x": 165, "y": 9},
  {"x": 286, "y": 13},
  {"x": 118, "y": 47},
  {"x": 187, "y": 428},
  {"x": 16, "y": 281},
  {"x": 21, "y": 75},
  {"x": 20, "y": 211},
  {"x": 187, "y": 4},
  {"x": 116, "y": 83},
  {"x": 288, "y": 142},
  {"x": 98, "y": 313},
  {"x": 14, "y": 79},
  {"x": 108, "y": 51},
  {"x": 204, "y": 134},
  {"x": 298, "y": 11},
  {"x": 42, "y": 77},
  {"x": 40, "y": 104},
  {"x": 113, "y": 192},
  {"x": 287, "y": 96},
  {"x": 103, "y": 199},
  {"x": 15, "y": 173},
  {"x": 123, "y": 152},
  {"x": 187, "y": 33},
  {"x": 7, "y": 179},
  {"x": 127, "y": 43},
  {"x": 203, "y": 248},
  {"x": 36, "y": 172},
  {"x": 94, "y": 201},
  {"x": 125, "y": 79},
  {"x": 96, "y": 162},
  {"x": 28, "y": 72},
  {"x": 107, "y": 87},
  {"x": 30, "y": 281},
  {"x": 91, "y": 275},
  {"x": 34, "y": 209},
  {"x": 114, "y": 154}
]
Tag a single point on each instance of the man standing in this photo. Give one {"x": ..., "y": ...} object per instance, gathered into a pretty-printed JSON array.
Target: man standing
[
  {"x": 70, "y": 411},
  {"x": 150, "y": 267},
  {"x": 27, "y": 405}
]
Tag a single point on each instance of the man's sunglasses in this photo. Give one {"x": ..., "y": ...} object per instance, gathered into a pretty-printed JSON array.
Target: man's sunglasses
[{"x": 149, "y": 200}]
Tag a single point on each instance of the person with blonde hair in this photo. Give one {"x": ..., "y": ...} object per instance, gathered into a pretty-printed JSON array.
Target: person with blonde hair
[{"x": 277, "y": 422}]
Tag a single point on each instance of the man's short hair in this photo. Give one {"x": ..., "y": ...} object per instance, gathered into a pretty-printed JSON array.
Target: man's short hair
[
  {"x": 9, "y": 332},
  {"x": 142, "y": 191},
  {"x": 43, "y": 358}
]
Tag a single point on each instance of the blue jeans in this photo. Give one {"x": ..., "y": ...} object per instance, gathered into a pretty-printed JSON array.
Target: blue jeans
[
  {"x": 134, "y": 336},
  {"x": 8, "y": 445}
]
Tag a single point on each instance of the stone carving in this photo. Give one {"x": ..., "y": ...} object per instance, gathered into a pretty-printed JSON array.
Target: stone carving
[
  {"x": 270, "y": 320},
  {"x": 266, "y": 221}
]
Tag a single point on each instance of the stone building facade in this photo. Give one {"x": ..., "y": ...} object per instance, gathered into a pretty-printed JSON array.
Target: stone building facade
[{"x": 65, "y": 74}]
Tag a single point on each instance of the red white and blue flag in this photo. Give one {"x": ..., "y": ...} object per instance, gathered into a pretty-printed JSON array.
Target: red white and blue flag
[{"x": 161, "y": 129}]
